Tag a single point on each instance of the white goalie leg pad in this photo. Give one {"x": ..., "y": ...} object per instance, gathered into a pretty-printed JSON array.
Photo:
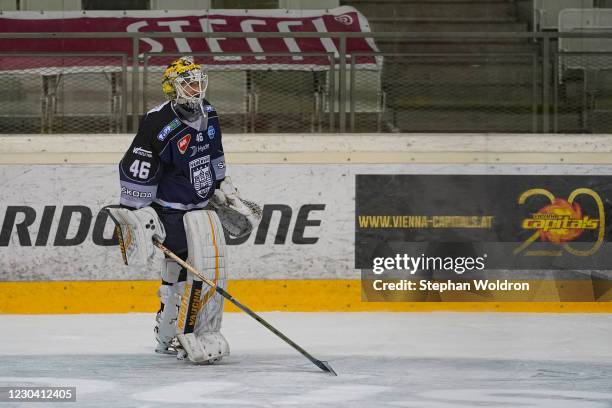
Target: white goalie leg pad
[
  {"x": 170, "y": 296},
  {"x": 201, "y": 309}
]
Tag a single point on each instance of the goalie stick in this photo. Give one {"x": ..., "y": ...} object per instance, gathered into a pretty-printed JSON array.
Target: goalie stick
[{"x": 323, "y": 365}]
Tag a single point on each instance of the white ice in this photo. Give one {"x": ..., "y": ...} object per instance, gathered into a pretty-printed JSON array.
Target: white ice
[{"x": 415, "y": 360}]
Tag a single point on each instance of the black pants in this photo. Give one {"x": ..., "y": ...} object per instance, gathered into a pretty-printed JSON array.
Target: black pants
[{"x": 176, "y": 238}]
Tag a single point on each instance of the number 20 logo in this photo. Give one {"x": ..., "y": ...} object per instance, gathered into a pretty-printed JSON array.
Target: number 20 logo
[{"x": 566, "y": 246}]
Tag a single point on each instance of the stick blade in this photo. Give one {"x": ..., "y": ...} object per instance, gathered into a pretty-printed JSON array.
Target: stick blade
[{"x": 324, "y": 365}]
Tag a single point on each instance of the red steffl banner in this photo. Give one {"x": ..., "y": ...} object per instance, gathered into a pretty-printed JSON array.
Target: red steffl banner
[{"x": 340, "y": 19}]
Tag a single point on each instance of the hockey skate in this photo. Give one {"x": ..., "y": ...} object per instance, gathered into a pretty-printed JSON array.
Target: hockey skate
[{"x": 172, "y": 346}]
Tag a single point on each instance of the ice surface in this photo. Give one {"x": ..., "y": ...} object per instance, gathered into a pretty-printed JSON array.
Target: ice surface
[{"x": 419, "y": 360}]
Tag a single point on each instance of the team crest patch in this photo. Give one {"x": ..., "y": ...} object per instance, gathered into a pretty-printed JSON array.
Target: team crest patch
[
  {"x": 201, "y": 175},
  {"x": 161, "y": 136},
  {"x": 211, "y": 132},
  {"x": 183, "y": 143}
]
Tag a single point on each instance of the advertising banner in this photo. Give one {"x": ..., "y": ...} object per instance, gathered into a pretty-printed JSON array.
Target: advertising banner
[
  {"x": 341, "y": 19},
  {"x": 476, "y": 230},
  {"x": 53, "y": 227}
]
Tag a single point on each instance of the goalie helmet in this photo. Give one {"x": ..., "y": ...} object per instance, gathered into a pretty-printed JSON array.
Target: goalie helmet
[{"x": 184, "y": 82}]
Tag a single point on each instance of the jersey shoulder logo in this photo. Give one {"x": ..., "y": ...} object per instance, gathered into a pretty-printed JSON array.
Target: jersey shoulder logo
[
  {"x": 183, "y": 143},
  {"x": 161, "y": 136},
  {"x": 142, "y": 152},
  {"x": 211, "y": 132}
]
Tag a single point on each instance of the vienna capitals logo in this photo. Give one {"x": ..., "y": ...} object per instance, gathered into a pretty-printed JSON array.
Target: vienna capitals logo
[{"x": 563, "y": 221}]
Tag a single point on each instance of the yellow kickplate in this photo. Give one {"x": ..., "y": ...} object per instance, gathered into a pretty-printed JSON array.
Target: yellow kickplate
[{"x": 55, "y": 297}]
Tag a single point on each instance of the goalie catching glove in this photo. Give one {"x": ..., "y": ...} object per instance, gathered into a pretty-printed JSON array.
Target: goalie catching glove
[
  {"x": 136, "y": 230},
  {"x": 238, "y": 216}
]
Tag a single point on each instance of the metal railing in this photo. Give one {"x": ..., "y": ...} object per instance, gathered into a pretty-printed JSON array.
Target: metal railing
[
  {"x": 531, "y": 92},
  {"x": 315, "y": 96},
  {"x": 63, "y": 92}
]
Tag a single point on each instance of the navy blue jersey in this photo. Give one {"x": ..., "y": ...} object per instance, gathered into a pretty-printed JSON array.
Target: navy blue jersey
[{"x": 172, "y": 163}]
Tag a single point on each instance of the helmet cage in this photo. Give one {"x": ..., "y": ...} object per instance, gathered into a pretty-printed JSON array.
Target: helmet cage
[{"x": 190, "y": 87}]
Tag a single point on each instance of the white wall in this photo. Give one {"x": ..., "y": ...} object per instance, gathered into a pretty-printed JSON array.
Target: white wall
[
  {"x": 180, "y": 4},
  {"x": 294, "y": 171},
  {"x": 50, "y": 5},
  {"x": 308, "y": 4},
  {"x": 8, "y": 5}
]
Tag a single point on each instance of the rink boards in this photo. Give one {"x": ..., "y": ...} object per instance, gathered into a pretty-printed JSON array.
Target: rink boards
[{"x": 59, "y": 256}]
